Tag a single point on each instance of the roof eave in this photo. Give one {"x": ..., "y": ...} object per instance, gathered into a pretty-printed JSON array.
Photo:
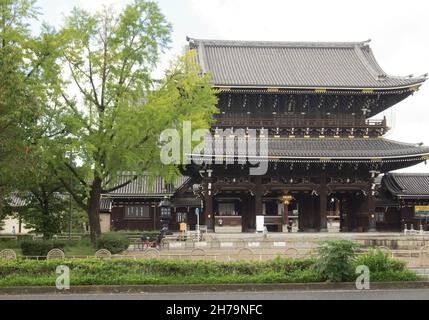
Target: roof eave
[
  {"x": 411, "y": 87},
  {"x": 320, "y": 159}
]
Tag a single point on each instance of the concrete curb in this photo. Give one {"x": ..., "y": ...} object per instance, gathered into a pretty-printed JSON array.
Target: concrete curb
[{"x": 211, "y": 288}]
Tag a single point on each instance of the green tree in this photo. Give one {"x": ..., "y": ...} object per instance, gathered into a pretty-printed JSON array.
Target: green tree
[
  {"x": 46, "y": 208},
  {"x": 16, "y": 82},
  {"x": 117, "y": 112},
  {"x": 26, "y": 65}
]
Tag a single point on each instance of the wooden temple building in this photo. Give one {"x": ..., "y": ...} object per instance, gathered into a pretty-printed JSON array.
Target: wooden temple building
[{"x": 318, "y": 105}]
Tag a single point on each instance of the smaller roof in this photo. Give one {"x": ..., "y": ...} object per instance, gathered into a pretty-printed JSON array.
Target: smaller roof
[
  {"x": 146, "y": 187},
  {"x": 296, "y": 65},
  {"x": 329, "y": 149},
  {"x": 407, "y": 185},
  {"x": 16, "y": 202}
]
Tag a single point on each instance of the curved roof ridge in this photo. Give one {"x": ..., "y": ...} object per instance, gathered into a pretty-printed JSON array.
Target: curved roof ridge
[
  {"x": 372, "y": 63},
  {"x": 273, "y": 43},
  {"x": 372, "y": 66},
  {"x": 418, "y": 144}
]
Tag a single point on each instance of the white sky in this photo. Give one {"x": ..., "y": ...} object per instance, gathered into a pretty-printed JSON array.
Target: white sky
[{"x": 398, "y": 29}]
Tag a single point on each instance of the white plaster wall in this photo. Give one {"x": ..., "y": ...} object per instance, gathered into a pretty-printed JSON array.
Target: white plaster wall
[
  {"x": 9, "y": 223},
  {"x": 105, "y": 222}
]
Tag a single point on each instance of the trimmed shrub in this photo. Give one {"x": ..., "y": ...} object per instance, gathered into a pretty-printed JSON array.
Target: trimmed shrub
[
  {"x": 335, "y": 262},
  {"x": 114, "y": 243},
  {"x": 39, "y": 248}
]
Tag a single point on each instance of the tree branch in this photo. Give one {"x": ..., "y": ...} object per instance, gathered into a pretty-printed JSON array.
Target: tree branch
[
  {"x": 121, "y": 185},
  {"x": 75, "y": 173}
]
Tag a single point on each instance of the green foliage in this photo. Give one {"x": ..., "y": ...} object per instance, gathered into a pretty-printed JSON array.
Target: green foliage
[
  {"x": 113, "y": 122},
  {"x": 379, "y": 261},
  {"x": 127, "y": 271},
  {"x": 335, "y": 262},
  {"x": 392, "y": 275},
  {"x": 40, "y": 248},
  {"x": 114, "y": 243}
]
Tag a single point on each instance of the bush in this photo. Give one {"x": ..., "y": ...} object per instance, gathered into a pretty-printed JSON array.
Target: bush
[
  {"x": 39, "y": 248},
  {"x": 335, "y": 262},
  {"x": 379, "y": 261},
  {"x": 114, "y": 243}
]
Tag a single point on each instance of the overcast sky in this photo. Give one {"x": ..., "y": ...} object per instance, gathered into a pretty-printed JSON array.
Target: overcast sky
[{"x": 398, "y": 29}]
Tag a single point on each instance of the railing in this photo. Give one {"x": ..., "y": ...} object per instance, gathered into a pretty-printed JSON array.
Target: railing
[
  {"x": 419, "y": 257},
  {"x": 296, "y": 122}
]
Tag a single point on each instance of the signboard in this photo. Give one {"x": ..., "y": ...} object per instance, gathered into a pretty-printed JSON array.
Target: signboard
[
  {"x": 422, "y": 211},
  {"x": 260, "y": 223}
]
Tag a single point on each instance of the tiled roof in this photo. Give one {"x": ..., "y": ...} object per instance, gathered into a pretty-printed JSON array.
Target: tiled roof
[
  {"x": 407, "y": 185},
  {"x": 349, "y": 65},
  {"x": 143, "y": 186},
  {"x": 329, "y": 148},
  {"x": 16, "y": 202},
  {"x": 106, "y": 205}
]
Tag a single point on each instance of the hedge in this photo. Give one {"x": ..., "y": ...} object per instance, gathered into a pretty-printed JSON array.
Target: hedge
[
  {"x": 114, "y": 243},
  {"x": 40, "y": 248},
  {"x": 135, "y": 272}
]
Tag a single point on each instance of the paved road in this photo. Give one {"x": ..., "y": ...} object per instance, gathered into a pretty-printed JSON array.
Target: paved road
[{"x": 405, "y": 294}]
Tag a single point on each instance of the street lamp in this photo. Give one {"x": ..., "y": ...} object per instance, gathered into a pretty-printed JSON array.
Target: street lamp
[{"x": 165, "y": 206}]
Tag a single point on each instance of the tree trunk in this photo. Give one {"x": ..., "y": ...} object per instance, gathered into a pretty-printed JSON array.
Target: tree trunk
[
  {"x": 94, "y": 210},
  {"x": 46, "y": 227}
]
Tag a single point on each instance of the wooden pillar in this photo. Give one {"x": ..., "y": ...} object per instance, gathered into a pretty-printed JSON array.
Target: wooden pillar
[
  {"x": 258, "y": 196},
  {"x": 323, "y": 195},
  {"x": 286, "y": 214}
]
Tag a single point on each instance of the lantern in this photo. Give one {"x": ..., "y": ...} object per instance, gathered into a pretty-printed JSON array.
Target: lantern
[{"x": 165, "y": 206}]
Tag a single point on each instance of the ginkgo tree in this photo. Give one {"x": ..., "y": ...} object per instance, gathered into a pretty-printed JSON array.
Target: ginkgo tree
[
  {"x": 26, "y": 70},
  {"x": 113, "y": 109}
]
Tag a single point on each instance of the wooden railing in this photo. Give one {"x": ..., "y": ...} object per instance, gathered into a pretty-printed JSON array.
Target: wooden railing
[{"x": 295, "y": 122}]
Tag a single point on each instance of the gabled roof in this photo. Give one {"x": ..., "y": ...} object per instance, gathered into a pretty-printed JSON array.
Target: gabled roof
[
  {"x": 407, "y": 185},
  {"x": 341, "y": 149},
  {"x": 145, "y": 187},
  {"x": 298, "y": 65}
]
